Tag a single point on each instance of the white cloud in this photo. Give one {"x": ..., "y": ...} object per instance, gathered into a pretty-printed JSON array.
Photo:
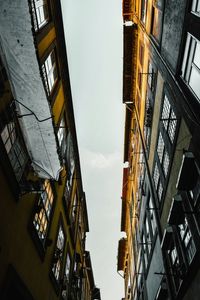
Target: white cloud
[{"x": 97, "y": 160}]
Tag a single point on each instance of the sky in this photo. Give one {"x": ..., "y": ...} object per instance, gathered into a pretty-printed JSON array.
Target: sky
[{"x": 93, "y": 31}]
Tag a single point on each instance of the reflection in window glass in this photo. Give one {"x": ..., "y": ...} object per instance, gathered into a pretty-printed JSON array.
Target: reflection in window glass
[
  {"x": 187, "y": 239},
  {"x": 14, "y": 149},
  {"x": 165, "y": 163},
  {"x": 196, "y": 7},
  {"x": 169, "y": 119},
  {"x": 42, "y": 216},
  {"x": 143, "y": 10},
  {"x": 152, "y": 216},
  {"x": 58, "y": 254},
  {"x": 50, "y": 74},
  {"x": 194, "y": 81},
  {"x": 156, "y": 175},
  {"x": 40, "y": 10},
  {"x": 62, "y": 136},
  {"x": 160, "y": 147},
  {"x": 160, "y": 190},
  {"x": 156, "y": 23},
  {"x": 150, "y": 76}
]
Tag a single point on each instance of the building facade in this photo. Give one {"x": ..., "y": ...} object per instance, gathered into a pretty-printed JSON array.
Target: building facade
[
  {"x": 43, "y": 211},
  {"x": 159, "y": 255}
]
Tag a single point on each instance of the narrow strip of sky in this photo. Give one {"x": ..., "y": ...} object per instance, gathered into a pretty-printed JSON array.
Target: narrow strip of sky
[{"x": 93, "y": 31}]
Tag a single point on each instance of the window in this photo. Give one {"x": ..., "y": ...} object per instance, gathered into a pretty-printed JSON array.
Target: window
[
  {"x": 49, "y": 69},
  {"x": 196, "y": 7},
  {"x": 157, "y": 181},
  {"x": 152, "y": 217},
  {"x": 191, "y": 64},
  {"x": 165, "y": 163},
  {"x": 139, "y": 80},
  {"x": 163, "y": 155},
  {"x": 141, "y": 54},
  {"x": 66, "y": 276},
  {"x": 160, "y": 190},
  {"x": 187, "y": 240},
  {"x": 176, "y": 265},
  {"x": 14, "y": 149},
  {"x": 156, "y": 23},
  {"x": 156, "y": 175},
  {"x": 62, "y": 136},
  {"x": 160, "y": 147},
  {"x": 70, "y": 167},
  {"x": 150, "y": 76},
  {"x": 174, "y": 257},
  {"x": 40, "y": 13},
  {"x": 144, "y": 250},
  {"x": 67, "y": 266},
  {"x": 143, "y": 10},
  {"x": 169, "y": 119},
  {"x": 58, "y": 254},
  {"x": 41, "y": 219},
  {"x": 166, "y": 136},
  {"x": 74, "y": 207},
  {"x": 148, "y": 236}
]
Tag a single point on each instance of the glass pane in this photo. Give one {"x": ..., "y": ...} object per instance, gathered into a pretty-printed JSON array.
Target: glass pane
[
  {"x": 194, "y": 81},
  {"x": 166, "y": 112},
  {"x": 156, "y": 175},
  {"x": 194, "y": 3},
  {"x": 196, "y": 6},
  {"x": 160, "y": 148},
  {"x": 166, "y": 163},
  {"x": 4, "y": 134},
  {"x": 197, "y": 55},
  {"x": 143, "y": 10},
  {"x": 157, "y": 17},
  {"x": 160, "y": 191}
]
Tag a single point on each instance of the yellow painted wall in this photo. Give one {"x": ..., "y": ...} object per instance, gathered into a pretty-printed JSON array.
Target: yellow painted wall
[
  {"x": 58, "y": 104},
  {"x": 46, "y": 42}
]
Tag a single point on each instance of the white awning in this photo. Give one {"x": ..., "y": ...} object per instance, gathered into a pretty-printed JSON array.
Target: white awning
[{"x": 19, "y": 55}]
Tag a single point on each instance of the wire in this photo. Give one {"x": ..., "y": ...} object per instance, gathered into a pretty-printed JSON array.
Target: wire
[{"x": 32, "y": 113}]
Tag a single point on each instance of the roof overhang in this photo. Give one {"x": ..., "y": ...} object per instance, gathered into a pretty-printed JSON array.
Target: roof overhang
[
  {"x": 124, "y": 200},
  {"x": 21, "y": 62},
  {"x": 127, "y": 10},
  {"x": 129, "y": 63},
  {"x": 127, "y": 131},
  {"x": 124, "y": 216},
  {"x": 188, "y": 173},
  {"x": 122, "y": 250},
  {"x": 176, "y": 214},
  {"x": 167, "y": 237}
]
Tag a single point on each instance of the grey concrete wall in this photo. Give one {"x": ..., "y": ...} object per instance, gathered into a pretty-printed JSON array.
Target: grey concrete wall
[{"x": 172, "y": 30}]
